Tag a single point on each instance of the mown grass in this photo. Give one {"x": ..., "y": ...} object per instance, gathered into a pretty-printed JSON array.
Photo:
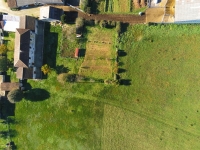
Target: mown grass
[
  {"x": 158, "y": 109},
  {"x": 162, "y": 64}
]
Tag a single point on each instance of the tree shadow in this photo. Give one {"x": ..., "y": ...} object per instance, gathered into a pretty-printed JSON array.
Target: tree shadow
[
  {"x": 36, "y": 95},
  {"x": 62, "y": 69},
  {"x": 82, "y": 52},
  {"x": 125, "y": 82},
  {"x": 71, "y": 16},
  {"x": 124, "y": 27},
  {"x": 50, "y": 46},
  {"x": 26, "y": 86},
  {"x": 121, "y": 53},
  {"x": 120, "y": 64},
  {"x": 9, "y": 108},
  {"x": 121, "y": 70}
]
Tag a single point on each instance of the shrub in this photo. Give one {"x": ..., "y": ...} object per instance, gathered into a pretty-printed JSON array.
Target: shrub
[
  {"x": 103, "y": 23},
  {"x": 63, "y": 18},
  {"x": 15, "y": 95},
  {"x": 83, "y": 5},
  {"x": 79, "y": 22},
  {"x": 118, "y": 27},
  {"x": 96, "y": 22},
  {"x": 62, "y": 78},
  {"x": 3, "y": 49},
  {"x": 46, "y": 69}
]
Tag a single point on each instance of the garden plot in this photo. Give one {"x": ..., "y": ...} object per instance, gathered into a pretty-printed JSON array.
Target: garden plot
[
  {"x": 98, "y": 57},
  {"x": 118, "y": 6}
]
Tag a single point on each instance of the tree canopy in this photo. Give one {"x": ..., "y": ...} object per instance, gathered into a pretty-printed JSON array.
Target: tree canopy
[
  {"x": 45, "y": 69},
  {"x": 3, "y": 49},
  {"x": 15, "y": 96}
]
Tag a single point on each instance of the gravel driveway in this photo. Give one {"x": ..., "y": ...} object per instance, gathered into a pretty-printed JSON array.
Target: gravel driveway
[{"x": 30, "y": 11}]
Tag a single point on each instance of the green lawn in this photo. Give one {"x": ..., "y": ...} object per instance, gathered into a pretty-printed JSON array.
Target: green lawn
[{"x": 157, "y": 107}]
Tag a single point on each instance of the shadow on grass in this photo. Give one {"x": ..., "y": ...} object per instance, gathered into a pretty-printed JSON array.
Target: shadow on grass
[
  {"x": 82, "y": 52},
  {"x": 124, "y": 27},
  {"x": 62, "y": 69},
  {"x": 125, "y": 82},
  {"x": 9, "y": 108},
  {"x": 121, "y": 70},
  {"x": 36, "y": 95},
  {"x": 50, "y": 46},
  {"x": 122, "y": 53}
]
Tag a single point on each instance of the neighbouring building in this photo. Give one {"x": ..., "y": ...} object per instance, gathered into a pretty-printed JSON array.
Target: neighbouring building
[
  {"x": 187, "y": 11},
  {"x": 7, "y": 86},
  {"x": 22, "y": 3},
  {"x": 10, "y": 23},
  {"x": 28, "y": 53},
  {"x": 49, "y": 13}
]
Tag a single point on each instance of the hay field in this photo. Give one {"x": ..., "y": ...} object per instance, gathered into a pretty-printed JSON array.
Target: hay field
[{"x": 98, "y": 57}]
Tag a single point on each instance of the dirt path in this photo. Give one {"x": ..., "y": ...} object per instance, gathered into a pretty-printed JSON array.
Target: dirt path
[{"x": 132, "y": 19}]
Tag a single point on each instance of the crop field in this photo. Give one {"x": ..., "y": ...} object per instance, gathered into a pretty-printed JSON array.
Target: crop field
[
  {"x": 158, "y": 110},
  {"x": 99, "y": 54}
]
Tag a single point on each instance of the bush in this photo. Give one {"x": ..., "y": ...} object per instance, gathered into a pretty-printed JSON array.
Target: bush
[
  {"x": 62, "y": 78},
  {"x": 3, "y": 49},
  {"x": 15, "y": 95},
  {"x": 96, "y": 22},
  {"x": 63, "y": 18},
  {"x": 79, "y": 22},
  {"x": 118, "y": 27},
  {"x": 83, "y": 5},
  {"x": 103, "y": 23}
]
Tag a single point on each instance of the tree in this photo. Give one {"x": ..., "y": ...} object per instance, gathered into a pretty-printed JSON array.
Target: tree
[
  {"x": 15, "y": 95},
  {"x": 3, "y": 49},
  {"x": 45, "y": 69},
  {"x": 63, "y": 18},
  {"x": 3, "y": 63},
  {"x": 83, "y": 5},
  {"x": 62, "y": 78},
  {"x": 103, "y": 23},
  {"x": 79, "y": 22},
  {"x": 118, "y": 27}
]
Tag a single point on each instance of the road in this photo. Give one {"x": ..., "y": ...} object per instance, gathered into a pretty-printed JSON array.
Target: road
[
  {"x": 132, "y": 19},
  {"x": 31, "y": 11}
]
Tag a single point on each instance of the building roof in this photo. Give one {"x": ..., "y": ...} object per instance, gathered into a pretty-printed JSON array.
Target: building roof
[
  {"x": 24, "y": 73},
  {"x": 21, "y": 54},
  {"x": 20, "y": 3},
  {"x": 47, "y": 12},
  {"x": 187, "y": 11},
  {"x": 8, "y": 86},
  {"x": 13, "y": 22}
]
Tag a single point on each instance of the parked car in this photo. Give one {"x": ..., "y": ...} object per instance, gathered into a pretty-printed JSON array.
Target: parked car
[{"x": 141, "y": 13}]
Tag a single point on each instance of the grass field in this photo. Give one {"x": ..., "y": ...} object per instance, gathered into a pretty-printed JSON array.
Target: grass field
[
  {"x": 99, "y": 54},
  {"x": 158, "y": 110}
]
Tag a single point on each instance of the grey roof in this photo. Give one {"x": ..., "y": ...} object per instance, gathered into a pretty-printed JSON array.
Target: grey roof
[
  {"x": 28, "y": 2},
  {"x": 39, "y": 40},
  {"x": 187, "y": 11}
]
